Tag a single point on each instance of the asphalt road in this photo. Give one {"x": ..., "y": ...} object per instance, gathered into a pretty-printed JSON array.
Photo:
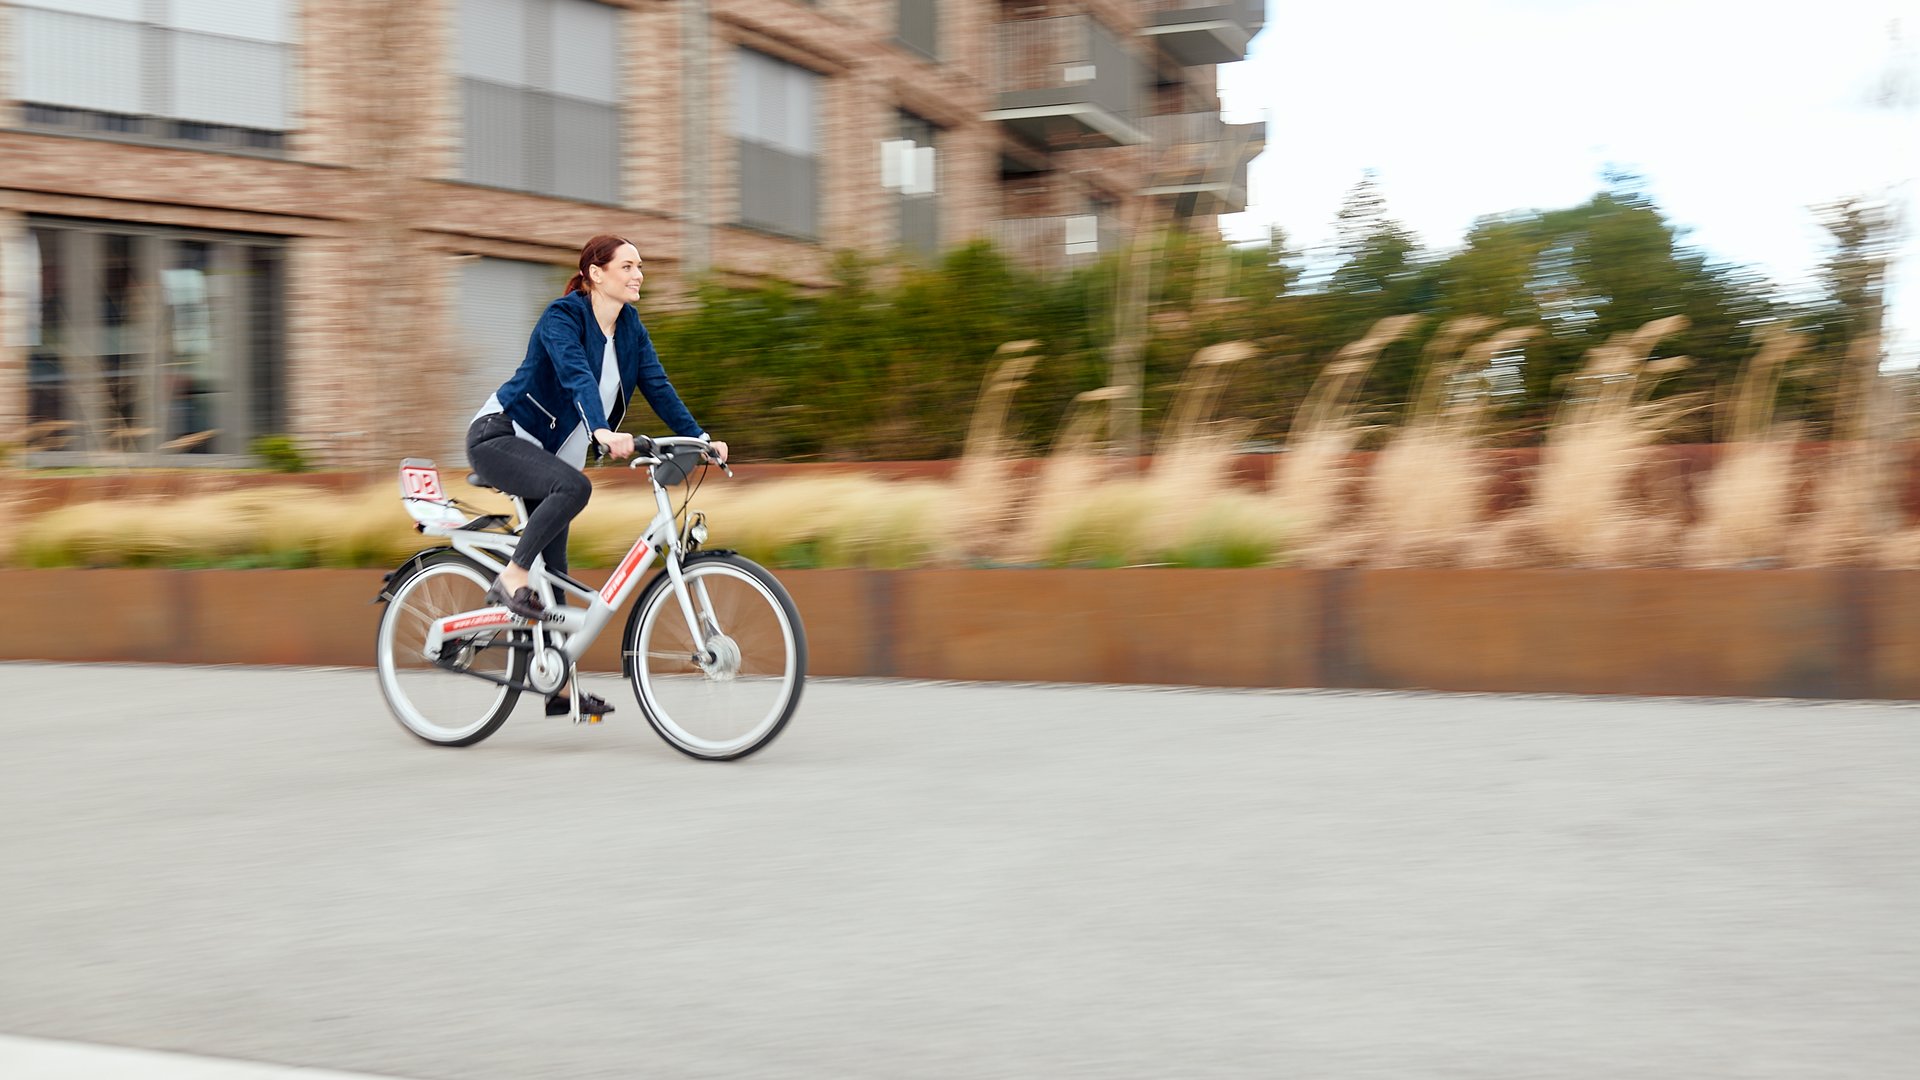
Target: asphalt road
[{"x": 965, "y": 881}]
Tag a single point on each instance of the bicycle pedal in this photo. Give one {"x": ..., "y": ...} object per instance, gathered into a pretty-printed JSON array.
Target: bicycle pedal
[{"x": 591, "y": 718}]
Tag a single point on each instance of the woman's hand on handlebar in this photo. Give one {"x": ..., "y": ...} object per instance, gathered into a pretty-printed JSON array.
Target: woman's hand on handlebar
[
  {"x": 619, "y": 444},
  {"x": 719, "y": 451}
]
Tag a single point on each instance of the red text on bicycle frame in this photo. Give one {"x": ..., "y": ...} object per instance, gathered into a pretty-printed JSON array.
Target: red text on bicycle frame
[
  {"x": 627, "y": 566},
  {"x": 500, "y": 618}
]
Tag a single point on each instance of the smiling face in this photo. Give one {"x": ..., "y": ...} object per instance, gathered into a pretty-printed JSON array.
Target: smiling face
[{"x": 620, "y": 277}]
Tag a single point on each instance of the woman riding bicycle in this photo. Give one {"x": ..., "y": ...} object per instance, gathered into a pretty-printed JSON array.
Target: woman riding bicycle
[{"x": 586, "y": 356}]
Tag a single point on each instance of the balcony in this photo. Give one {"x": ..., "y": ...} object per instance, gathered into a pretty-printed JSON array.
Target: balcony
[
  {"x": 1064, "y": 83},
  {"x": 1050, "y": 244},
  {"x": 1198, "y": 32},
  {"x": 1200, "y": 155}
]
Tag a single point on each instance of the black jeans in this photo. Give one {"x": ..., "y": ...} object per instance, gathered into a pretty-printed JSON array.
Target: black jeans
[{"x": 555, "y": 491}]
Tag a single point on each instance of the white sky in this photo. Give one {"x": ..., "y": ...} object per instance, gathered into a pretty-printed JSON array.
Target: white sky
[{"x": 1739, "y": 116}]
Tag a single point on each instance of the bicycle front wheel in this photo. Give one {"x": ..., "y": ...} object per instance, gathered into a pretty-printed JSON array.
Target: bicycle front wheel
[
  {"x": 726, "y": 692},
  {"x": 447, "y": 703}
]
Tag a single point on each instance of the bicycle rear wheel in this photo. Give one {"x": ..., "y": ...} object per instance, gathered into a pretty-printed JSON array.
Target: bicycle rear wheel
[
  {"x": 443, "y": 703},
  {"x": 730, "y": 693}
]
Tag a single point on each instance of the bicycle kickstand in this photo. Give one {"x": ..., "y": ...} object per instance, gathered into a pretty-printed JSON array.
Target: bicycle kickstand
[{"x": 573, "y": 700}]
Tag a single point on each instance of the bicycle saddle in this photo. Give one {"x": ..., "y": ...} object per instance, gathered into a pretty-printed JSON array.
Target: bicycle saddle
[{"x": 474, "y": 480}]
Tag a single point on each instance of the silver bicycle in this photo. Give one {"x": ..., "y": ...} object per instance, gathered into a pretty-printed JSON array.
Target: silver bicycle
[{"x": 714, "y": 647}]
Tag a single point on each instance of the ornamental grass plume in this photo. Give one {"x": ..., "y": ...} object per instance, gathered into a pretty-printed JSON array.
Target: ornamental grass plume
[
  {"x": 1198, "y": 518},
  {"x": 981, "y": 493},
  {"x": 1313, "y": 487},
  {"x": 851, "y": 520},
  {"x": 368, "y": 527},
  {"x": 833, "y": 521},
  {"x": 279, "y": 526},
  {"x": 1108, "y": 526},
  {"x": 987, "y": 430},
  {"x": 1193, "y": 448},
  {"x": 13, "y": 514},
  {"x": 1181, "y": 512},
  {"x": 1745, "y": 502},
  {"x": 1855, "y": 520},
  {"x": 121, "y": 532},
  {"x": 1589, "y": 505},
  {"x": 1426, "y": 500},
  {"x": 1076, "y": 466},
  {"x": 1138, "y": 521}
]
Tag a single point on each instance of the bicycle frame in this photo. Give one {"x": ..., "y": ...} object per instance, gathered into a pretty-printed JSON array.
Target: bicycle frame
[{"x": 580, "y": 625}]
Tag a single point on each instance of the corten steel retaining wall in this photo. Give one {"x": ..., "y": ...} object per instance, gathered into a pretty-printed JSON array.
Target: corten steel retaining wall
[{"x": 1749, "y": 633}]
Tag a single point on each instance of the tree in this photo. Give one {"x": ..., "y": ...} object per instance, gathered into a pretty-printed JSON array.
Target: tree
[
  {"x": 1850, "y": 312},
  {"x": 1584, "y": 273},
  {"x": 1376, "y": 252}
]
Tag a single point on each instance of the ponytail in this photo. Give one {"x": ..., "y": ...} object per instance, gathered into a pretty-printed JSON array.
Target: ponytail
[{"x": 598, "y": 251}]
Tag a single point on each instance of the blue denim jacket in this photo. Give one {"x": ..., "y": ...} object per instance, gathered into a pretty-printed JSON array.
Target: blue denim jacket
[{"x": 558, "y": 384}]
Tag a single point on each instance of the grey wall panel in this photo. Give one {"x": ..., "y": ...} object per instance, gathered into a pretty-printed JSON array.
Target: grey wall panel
[
  {"x": 541, "y": 96},
  {"x": 129, "y": 10},
  {"x": 492, "y": 41},
  {"x": 1117, "y": 84},
  {"x": 78, "y": 61},
  {"x": 920, "y": 224},
  {"x": 499, "y": 301},
  {"x": 778, "y": 191},
  {"x": 223, "y": 80},
  {"x": 586, "y": 144},
  {"x": 496, "y": 133},
  {"x": 775, "y": 103},
  {"x": 258, "y": 20},
  {"x": 586, "y": 51},
  {"x": 920, "y": 26}
]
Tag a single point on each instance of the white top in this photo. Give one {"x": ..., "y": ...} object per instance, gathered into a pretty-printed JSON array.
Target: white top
[{"x": 574, "y": 450}]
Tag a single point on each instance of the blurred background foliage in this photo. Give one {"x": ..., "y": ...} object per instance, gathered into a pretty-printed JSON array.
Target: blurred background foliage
[
  {"x": 1592, "y": 332},
  {"x": 887, "y": 363}
]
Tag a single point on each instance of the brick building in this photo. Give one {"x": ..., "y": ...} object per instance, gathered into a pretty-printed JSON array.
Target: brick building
[{"x": 337, "y": 219}]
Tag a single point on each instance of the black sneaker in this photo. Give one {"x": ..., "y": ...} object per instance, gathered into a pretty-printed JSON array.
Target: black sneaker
[
  {"x": 590, "y": 705},
  {"x": 522, "y": 603}
]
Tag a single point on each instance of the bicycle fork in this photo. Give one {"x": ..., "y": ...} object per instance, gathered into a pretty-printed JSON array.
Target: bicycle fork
[{"x": 702, "y": 626}]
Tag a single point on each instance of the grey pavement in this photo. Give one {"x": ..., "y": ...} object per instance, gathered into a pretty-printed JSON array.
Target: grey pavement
[{"x": 932, "y": 880}]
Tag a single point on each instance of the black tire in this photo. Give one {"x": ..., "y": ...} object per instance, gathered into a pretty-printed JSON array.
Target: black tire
[
  {"x": 437, "y": 705},
  {"x": 740, "y": 699}
]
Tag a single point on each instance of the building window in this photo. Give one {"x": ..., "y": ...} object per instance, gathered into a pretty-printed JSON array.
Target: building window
[
  {"x": 775, "y": 121},
  {"x": 920, "y": 27},
  {"x": 152, "y": 343},
  {"x": 908, "y": 165},
  {"x": 540, "y": 93},
  {"x": 201, "y": 72}
]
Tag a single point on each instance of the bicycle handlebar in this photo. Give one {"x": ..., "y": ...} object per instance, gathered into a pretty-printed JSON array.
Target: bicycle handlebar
[{"x": 647, "y": 451}]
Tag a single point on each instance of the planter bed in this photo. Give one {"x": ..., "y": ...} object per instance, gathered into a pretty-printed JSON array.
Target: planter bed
[{"x": 1746, "y": 633}]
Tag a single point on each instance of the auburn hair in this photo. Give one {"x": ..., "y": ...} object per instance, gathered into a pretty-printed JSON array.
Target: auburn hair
[{"x": 596, "y": 252}]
